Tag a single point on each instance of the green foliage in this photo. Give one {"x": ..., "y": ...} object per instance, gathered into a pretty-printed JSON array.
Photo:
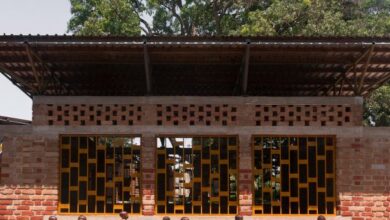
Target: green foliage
[
  {"x": 320, "y": 18},
  {"x": 377, "y": 107},
  {"x": 234, "y": 17},
  {"x": 103, "y": 17}
]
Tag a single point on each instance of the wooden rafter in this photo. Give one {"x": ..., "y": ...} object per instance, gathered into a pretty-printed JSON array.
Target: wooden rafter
[
  {"x": 245, "y": 72},
  {"x": 377, "y": 84},
  {"x": 343, "y": 76},
  {"x": 43, "y": 83},
  {"x": 17, "y": 81},
  {"x": 363, "y": 74},
  {"x": 148, "y": 69},
  {"x": 37, "y": 75},
  {"x": 241, "y": 83}
]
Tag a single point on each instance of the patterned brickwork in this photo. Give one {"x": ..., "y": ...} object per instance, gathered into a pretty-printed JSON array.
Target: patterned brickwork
[
  {"x": 92, "y": 114},
  {"x": 303, "y": 115},
  {"x": 196, "y": 114},
  {"x": 27, "y": 202}
]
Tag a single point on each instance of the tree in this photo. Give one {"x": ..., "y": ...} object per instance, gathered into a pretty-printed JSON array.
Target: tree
[
  {"x": 104, "y": 17},
  {"x": 320, "y": 18},
  {"x": 168, "y": 17},
  {"x": 199, "y": 17},
  {"x": 377, "y": 107}
]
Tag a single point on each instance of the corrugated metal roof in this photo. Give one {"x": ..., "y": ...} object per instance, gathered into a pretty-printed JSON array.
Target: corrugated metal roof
[{"x": 266, "y": 66}]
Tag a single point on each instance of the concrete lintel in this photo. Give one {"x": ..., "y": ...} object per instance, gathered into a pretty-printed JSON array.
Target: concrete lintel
[
  {"x": 376, "y": 131},
  {"x": 15, "y": 130},
  {"x": 255, "y": 100},
  {"x": 200, "y": 130}
]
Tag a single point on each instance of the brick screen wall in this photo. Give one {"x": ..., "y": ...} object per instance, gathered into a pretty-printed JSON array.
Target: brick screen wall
[{"x": 196, "y": 114}]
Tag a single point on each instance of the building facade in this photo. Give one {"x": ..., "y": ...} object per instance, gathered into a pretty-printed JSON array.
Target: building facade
[{"x": 199, "y": 127}]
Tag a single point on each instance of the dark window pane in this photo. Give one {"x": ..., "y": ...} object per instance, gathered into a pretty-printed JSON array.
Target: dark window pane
[
  {"x": 83, "y": 142},
  {"x": 73, "y": 201},
  {"x": 294, "y": 161},
  {"x": 302, "y": 148},
  {"x": 161, "y": 187},
  {"x": 329, "y": 161},
  {"x": 321, "y": 146},
  {"x": 65, "y": 188},
  {"x": 100, "y": 161},
  {"x": 329, "y": 187},
  {"x": 83, "y": 164},
  {"x": 74, "y": 150},
  {"x": 284, "y": 148},
  {"x": 312, "y": 194},
  {"x": 91, "y": 176},
  {"x": 312, "y": 162},
  {"x": 321, "y": 203},
  {"x": 302, "y": 173},
  {"x": 65, "y": 158},
  {"x": 285, "y": 178},
  {"x": 294, "y": 187},
  {"x": 74, "y": 176},
  {"x": 321, "y": 173},
  {"x": 303, "y": 200},
  {"x": 92, "y": 147},
  {"x": 83, "y": 190}
]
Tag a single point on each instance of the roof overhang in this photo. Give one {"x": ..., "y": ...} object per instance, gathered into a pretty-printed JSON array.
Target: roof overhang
[{"x": 196, "y": 66}]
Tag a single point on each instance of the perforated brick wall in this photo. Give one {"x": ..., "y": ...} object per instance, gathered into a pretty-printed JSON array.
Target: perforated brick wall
[
  {"x": 93, "y": 114},
  {"x": 303, "y": 115},
  {"x": 196, "y": 114}
]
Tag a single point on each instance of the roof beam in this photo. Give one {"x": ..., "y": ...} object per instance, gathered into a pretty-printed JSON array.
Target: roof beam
[
  {"x": 148, "y": 69},
  {"x": 53, "y": 77},
  {"x": 343, "y": 76},
  {"x": 245, "y": 72},
  {"x": 17, "y": 81},
  {"x": 363, "y": 74},
  {"x": 33, "y": 67},
  {"x": 241, "y": 83},
  {"x": 376, "y": 84}
]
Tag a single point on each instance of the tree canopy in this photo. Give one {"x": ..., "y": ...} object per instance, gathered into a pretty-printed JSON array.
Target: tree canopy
[
  {"x": 241, "y": 17},
  {"x": 231, "y": 17}
]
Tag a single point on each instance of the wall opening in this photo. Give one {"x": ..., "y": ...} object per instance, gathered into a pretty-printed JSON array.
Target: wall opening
[
  {"x": 294, "y": 175},
  {"x": 197, "y": 175},
  {"x": 100, "y": 174}
]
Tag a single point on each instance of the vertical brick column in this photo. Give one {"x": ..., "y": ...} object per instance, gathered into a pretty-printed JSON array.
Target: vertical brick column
[
  {"x": 245, "y": 175},
  {"x": 148, "y": 173}
]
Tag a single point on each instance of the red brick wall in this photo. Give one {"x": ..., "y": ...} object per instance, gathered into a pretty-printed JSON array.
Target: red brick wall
[
  {"x": 28, "y": 188},
  {"x": 363, "y": 176},
  {"x": 27, "y": 202}
]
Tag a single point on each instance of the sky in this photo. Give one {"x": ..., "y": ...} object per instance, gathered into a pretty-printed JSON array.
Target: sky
[{"x": 28, "y": 17}]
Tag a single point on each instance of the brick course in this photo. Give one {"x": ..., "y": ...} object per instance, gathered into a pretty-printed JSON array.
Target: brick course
[
  {"x": 29, "y": 178},
  {"x": 196, "y": 114},
  {"x": 363, "y": 177},
  {"x": 27, "y": 202}
]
